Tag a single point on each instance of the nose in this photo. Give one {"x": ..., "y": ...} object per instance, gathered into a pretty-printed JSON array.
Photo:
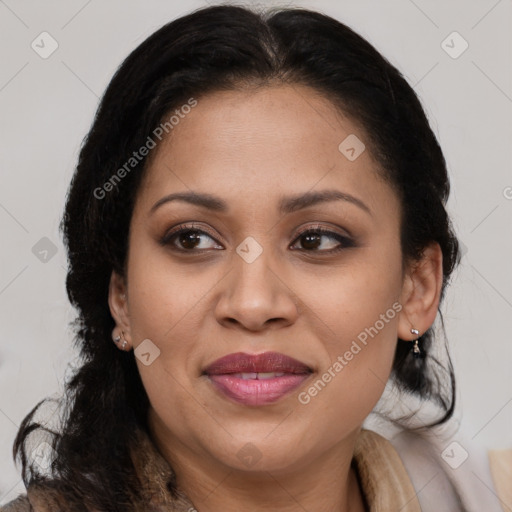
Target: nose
[{"x": 255, "y": 296}]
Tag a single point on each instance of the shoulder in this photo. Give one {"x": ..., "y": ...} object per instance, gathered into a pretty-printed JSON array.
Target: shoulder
[
  {"x": 38, "y": 498},
  {"x": 20, "y": 504},
  {"x": 453, "y": 469},
  {"x": 501, "y": 470}
]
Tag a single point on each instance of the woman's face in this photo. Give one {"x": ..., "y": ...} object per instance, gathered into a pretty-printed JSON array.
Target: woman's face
[{"x": 245, "y": 281}]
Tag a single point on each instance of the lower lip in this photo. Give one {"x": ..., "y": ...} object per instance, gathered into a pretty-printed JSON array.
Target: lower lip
[{"x": 254, "y": 391}]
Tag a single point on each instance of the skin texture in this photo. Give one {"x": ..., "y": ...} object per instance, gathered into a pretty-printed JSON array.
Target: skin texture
[{"x": 250, "y": 147}]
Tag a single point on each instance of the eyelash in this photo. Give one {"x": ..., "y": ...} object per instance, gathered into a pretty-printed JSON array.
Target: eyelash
[{"x": 345, "y": 242}]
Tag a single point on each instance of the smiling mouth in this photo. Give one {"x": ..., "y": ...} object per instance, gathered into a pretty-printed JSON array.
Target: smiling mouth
[{"x": 256, "y": 379}]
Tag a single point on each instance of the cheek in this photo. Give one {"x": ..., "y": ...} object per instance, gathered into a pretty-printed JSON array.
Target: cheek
[
  {"x": 163, "y": 294},
  {"x": 346, "y": 390},
  {"x": 165, "y": 307},
  {"x": 358, "y": 300},
  {"x": 359, "y": 309}
]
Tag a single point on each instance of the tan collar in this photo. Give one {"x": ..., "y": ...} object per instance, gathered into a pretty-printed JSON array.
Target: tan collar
[{"x": 384, "y": 481}]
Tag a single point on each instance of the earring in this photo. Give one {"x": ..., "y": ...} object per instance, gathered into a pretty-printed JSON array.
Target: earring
[
  {"x": 117, "y": 339},
  {"x": 416, "y": 351}
]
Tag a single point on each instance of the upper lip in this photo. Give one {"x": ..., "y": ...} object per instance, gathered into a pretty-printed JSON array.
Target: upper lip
[{"x": 241, "y": 362}]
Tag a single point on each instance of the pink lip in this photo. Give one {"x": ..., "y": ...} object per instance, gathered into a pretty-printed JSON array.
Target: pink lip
[
  {"x": 222, "y": 373},
  {"x": 265, "y": 362},
  {"x": 254, "y": 391}
]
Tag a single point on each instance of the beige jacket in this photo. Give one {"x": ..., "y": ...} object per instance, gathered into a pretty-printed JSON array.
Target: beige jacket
[{"x": 384, "y": 481}]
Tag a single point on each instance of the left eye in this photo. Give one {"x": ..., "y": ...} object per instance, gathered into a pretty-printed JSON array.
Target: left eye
[{"x": 312, "y": 240}]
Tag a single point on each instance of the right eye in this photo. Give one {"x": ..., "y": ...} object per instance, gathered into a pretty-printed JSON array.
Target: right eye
[{"x": 187, "y": 238}]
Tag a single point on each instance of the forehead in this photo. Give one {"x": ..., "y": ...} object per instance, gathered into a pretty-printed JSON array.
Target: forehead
[{"x": 249, "y": 144}]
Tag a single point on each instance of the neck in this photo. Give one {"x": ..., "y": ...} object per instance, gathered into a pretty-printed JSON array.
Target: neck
[{"x": 325, "y": 483}]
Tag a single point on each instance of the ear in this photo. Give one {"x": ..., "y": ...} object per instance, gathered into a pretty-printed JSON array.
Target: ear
[
  {"x": 421, "y": 293},
  {"x": 118, "y": 303}
]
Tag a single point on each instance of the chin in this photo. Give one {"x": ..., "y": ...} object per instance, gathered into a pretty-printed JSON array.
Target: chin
[{"x": 257, "y": 454}]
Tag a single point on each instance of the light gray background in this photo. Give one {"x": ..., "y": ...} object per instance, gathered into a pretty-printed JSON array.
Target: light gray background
[{"x": 47, "y": 106}]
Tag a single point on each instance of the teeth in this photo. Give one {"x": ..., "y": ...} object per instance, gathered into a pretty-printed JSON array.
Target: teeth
[
  {"x": 259, "y": 376},
  {"x": 269, "y": 375},
  {"x": 247, "y": 376}
]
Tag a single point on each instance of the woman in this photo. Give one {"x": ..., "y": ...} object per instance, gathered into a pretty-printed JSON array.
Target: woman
[{"x": 258, "y": 244}]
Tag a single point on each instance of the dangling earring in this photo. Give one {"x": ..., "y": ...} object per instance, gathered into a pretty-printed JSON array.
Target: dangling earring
[
  {"x": 117, "y": 339},
  {"x": 416, "y": 351}
]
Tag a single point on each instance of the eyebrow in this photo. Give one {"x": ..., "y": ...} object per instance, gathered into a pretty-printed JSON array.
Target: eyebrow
[{"x": 287, "y": 204}]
